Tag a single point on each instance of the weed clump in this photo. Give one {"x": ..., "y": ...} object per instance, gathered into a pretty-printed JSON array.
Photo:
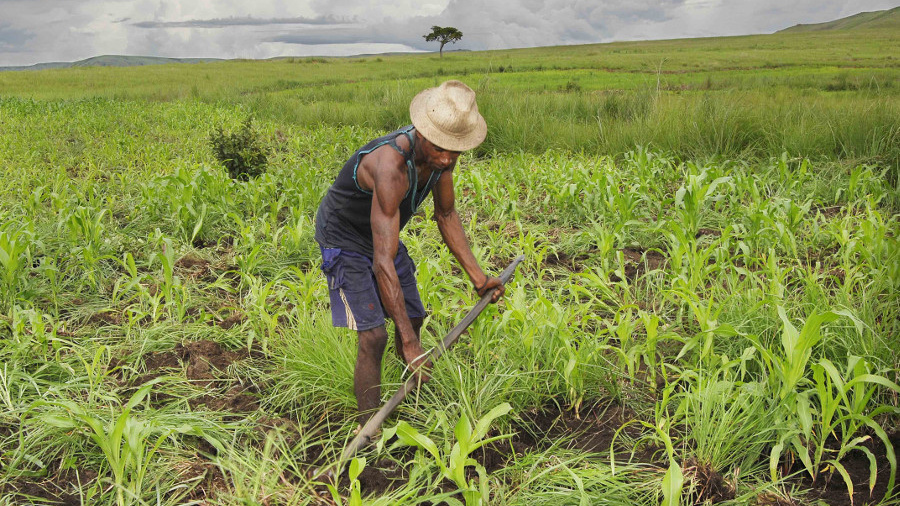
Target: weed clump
[{"x": 243, "y": 153}]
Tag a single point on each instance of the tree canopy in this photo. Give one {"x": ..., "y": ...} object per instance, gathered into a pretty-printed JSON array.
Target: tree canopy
[{"x": 444, "y": 35}]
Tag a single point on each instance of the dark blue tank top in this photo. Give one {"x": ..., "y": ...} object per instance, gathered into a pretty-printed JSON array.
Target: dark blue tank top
[{"x": 344, "y": 216}]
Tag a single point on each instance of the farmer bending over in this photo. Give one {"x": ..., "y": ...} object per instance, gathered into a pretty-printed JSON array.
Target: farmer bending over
[{"x": 358, "y": 223}]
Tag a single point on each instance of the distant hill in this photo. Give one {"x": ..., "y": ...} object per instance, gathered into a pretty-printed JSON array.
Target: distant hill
[
  {"x": 863, "y": 20},
  {"x": 112, "y": 61}
]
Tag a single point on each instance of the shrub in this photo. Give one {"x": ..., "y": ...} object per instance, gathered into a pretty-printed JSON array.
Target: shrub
[{"x": 243, "y": 152}]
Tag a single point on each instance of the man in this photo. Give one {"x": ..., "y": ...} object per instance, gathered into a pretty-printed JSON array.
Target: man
[{"x": 370, "y": 275}]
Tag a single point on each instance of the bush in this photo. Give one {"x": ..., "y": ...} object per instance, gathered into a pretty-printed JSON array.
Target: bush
[{"x": 243, "y": 153}]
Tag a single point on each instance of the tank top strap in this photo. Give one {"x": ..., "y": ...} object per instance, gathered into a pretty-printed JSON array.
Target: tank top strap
[{"x": 407, "y": 154}]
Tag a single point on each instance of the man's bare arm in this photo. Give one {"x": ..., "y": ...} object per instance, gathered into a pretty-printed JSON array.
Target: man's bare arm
[
  {"x": 454, "y": 237},
  {"x": 387, "y": 176}
]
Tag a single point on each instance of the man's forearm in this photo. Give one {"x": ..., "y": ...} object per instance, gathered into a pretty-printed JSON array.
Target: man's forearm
[
  {"x": 392, "y": 297},
  {"x": 454, "y": 237}
]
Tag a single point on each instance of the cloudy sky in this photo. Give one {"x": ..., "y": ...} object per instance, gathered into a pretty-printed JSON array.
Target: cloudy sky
[{"x": 34, "y": 31}]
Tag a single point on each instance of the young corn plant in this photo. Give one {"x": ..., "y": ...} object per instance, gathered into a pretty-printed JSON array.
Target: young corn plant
[
  {"x": 693, "y": 195},
  {"x": 838, "y": 406},
  {"x": 166, "y": 256},
  {"x": 788, "y": 370},
  {"x": 672, "y": 482},
  {"x": 186, "y": 197},
  {"x": 85, "y": 226},
  {"x": 453, "y": 463},
  {"x": 126, "y": 442},
  {"x": 262, "y": 302},
  {"x": 15, "y": 252}
]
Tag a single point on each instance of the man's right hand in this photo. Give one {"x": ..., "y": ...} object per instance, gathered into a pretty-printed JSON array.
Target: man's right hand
[{"x": 417, "y": 359}]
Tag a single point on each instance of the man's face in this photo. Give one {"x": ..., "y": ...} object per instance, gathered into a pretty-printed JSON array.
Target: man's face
[{"x": 436, "y": 157}]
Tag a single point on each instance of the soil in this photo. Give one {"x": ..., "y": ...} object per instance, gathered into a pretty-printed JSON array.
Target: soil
[
  {"x": 573, "y": 263},
  {"x": 192, "y": 266},
  {"x": 830, "y": 487},
  {"x": 232, "y": 320},
  {"x": 592, "y": 430},
  {"x": 710, "y": 486},
  {"x": 59, "y": 488},
  {"x": 105, "y": 318},
  {"x": 205, "y": 363},
  {"x": 206, "y": 360},
  {"x": 639, "y": 261}
]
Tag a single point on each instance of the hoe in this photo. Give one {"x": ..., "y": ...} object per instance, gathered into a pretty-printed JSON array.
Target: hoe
[{"x": 371, "y": 427}]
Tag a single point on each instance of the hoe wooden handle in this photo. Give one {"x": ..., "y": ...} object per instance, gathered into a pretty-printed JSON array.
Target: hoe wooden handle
[{"x": 378, "y": 418}]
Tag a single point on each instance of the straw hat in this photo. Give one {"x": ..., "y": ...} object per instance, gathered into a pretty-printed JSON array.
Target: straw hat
[{"x": 448, "y": 116}]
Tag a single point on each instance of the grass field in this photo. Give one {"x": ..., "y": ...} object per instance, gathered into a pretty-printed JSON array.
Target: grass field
[{"x": 707, "y": 311}]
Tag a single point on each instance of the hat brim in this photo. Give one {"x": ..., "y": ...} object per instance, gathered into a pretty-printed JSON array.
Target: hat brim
[{"x": 418, "y": 113}]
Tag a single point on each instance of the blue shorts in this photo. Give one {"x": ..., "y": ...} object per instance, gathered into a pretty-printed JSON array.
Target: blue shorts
[{"x": 353, "y": 290}]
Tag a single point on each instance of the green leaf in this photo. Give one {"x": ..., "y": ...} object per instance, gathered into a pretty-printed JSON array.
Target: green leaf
[
  {"x": 804, "y": 414},
  {"x": 481, "y": 428},
  {"x": 672, "y": 483},
  {"x": 774, "y": 457},
  {"x": 463, "y": 433},
  {"x": 356, "y": 467},
  {"x": 411, "y": 437},
  {"x": 844, "y": 474}
]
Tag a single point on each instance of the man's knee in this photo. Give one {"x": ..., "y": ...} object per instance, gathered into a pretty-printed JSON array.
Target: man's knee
[{"x": 373, "y": 341}]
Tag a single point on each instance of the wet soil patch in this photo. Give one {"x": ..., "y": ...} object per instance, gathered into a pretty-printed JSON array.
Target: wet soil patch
[
  {"x": 573, "y": 262},
  {"x": 105, "y": 318},
  {"x": 831, "y": 489},
  {"x": 237, "y": 399},
  {"x": 6, "y": 430},
  {"x": 711, "y": 232},
  {"x": 592, "y": 430},
  {"x": 61, "y": 488},
  {"x": 207, "y": 360},
  {"x": 234, "y": 319},
  {"x": 381, "y": 476},
  {"x": 205, "y": 363},
  {"x": 638, "y": 261},
  {"x": 827, "y": 212},
  {"x": 192, "y": 266}
]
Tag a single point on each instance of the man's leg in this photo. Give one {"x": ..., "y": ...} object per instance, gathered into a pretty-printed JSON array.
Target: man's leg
[{"x": 367, "y": 374}]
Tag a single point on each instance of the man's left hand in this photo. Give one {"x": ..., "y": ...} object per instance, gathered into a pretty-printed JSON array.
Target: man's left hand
[{"x": 488, "y": 285}]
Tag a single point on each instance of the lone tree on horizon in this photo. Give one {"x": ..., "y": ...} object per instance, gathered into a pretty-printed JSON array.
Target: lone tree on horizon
[{"x": 444, "y": 35}]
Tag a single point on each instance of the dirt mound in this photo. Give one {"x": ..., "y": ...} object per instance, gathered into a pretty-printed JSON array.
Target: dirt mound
[
  {"x": 710, "y": 487},
  {"x": 238, "y": 399},
  {"x": 207, "y": 360},
  {"x": 60, "y": 489}
]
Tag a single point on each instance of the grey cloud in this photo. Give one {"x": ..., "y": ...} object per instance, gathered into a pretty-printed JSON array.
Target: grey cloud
[
  {"x": 243, "y": 21},
  {"x": 13, "y": 39},
  {"x": 485, "y": 25},
  {"x": 361, "y": 35}
]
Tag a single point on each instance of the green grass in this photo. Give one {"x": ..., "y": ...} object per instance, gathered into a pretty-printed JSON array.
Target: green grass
[{"x": 686, "y": 208}]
